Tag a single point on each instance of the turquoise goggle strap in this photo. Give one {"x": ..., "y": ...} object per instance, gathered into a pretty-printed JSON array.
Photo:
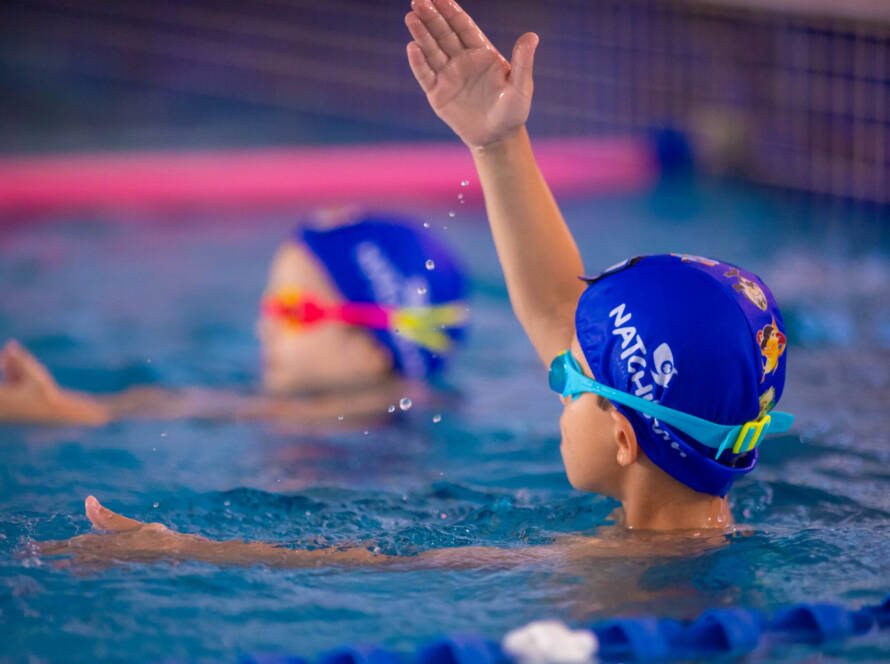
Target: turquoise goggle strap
[{"x": 741, "y": 437}]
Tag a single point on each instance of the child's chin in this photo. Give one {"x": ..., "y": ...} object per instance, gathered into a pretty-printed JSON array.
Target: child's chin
[{"x": 277, "y": 384}]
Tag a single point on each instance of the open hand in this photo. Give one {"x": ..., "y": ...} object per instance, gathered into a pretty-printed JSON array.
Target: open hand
[
  {"x": 27, "y": 390},
  {"x": 469, "y": 85},
  {"x": 28, "y": 393}
]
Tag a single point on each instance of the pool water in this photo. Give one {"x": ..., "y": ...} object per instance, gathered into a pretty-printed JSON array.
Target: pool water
[{"x": 172, "y": 303}]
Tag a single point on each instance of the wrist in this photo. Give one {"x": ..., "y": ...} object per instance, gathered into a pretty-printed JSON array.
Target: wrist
[
  {"x": 502, "y": 144},
  {"x": 77, "y": 408}
]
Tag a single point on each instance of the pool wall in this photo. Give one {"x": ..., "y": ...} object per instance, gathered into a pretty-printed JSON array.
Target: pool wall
[{"x": 786, "y": 93}]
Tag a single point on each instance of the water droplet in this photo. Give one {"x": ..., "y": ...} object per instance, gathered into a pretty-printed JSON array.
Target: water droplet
[
  {"x": 444, "y": 228},
  {"x": 464, "y": 183},
  {"x": 155, "y": 505},
  {"x": 460, "y": 197},
  {"x": 437, "y": 418},
  {"x": 340, "y": 417},
  {"x": 148, "y": 360},
  {"x": 461, "y": 201},
  {"x": 430, "y": 264},
  {"x": 421, "y": 290},
  {"x": 227, "y": 503},
  {"x": 365, "y": 432},
  {"x": 426, "y": 224},
  {"x": 164, "y": 435},
  {"x": 391, "y": 409},
  {"x": 405, "y": 403},
  {"x": 443, "y": 515},
  {"x": 451, "y": 213},
  {"x": 154, "y": 449}
]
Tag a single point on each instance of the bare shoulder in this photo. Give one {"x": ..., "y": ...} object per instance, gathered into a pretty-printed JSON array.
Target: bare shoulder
[{"x": 621, "y": 543}]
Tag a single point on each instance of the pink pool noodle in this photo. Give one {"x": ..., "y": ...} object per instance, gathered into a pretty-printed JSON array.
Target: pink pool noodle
[{"x": 378, "y": 173}]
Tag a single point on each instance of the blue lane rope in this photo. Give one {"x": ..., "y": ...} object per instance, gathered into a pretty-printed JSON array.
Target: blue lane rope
[{"x": 646, "y": 638}]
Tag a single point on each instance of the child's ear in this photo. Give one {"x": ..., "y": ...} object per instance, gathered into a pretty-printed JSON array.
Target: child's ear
[{"x": 625, "y": 438}]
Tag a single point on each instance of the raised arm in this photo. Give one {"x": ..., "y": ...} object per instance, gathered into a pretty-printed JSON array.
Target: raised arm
[{"x": 486, "y": 100}]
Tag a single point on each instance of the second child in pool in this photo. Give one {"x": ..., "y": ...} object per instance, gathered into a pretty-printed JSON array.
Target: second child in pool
[{"x": 351, "y": 311}]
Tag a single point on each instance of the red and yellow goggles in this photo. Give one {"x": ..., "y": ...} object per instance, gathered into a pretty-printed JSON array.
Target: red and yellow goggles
[{"x": 424, "y": 325}]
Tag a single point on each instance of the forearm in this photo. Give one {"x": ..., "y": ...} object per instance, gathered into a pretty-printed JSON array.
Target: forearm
[
  {"x": 539, "y": 257},
  {"x": 61, "y": 407},
  {"x": 166, "y": 404},
  {"x": 241, "y": 553}
]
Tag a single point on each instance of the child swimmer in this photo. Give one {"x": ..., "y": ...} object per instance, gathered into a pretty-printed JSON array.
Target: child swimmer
[
  {"x": 668, "y": 367},
  {"x": 354, "y": 306}
]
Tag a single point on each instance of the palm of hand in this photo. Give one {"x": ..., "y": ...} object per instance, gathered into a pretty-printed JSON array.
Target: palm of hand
[
  {"x": 474, "y": 95},
  {"x": 469, "y": 85}
]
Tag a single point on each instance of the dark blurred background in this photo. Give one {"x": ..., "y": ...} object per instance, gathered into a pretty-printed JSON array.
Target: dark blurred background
[{"x": 791, "y": 94}]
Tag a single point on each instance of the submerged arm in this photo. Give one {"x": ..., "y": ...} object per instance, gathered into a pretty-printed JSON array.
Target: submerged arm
[
  {"x": 486, "y": 101},
  {"x": 129, "y": 540}
]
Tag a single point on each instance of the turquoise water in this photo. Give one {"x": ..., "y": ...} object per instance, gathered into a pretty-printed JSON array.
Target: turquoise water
[{"x": 107, "y": 305}]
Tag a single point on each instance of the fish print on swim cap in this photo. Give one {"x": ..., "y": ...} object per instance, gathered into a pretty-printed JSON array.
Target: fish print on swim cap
[
  {"x": 750, "y": 289},
  {"x": 675, "y": 330},
  {"x": 772, "y": 344}
]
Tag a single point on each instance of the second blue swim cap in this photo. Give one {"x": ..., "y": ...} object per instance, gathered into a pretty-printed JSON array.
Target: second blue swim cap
[
  {"x": 386, "y": 260},
  {"x": 694, "y": 334}
]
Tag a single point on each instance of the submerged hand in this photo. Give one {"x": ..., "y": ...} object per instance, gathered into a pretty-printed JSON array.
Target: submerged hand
[{"x": 468, "y": 83}]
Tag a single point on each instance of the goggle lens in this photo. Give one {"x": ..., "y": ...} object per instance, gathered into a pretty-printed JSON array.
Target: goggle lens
[{"x": 557, "y": 376}]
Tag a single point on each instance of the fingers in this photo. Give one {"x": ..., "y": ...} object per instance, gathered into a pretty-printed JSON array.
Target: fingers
[
  {"x": 523, "y": 61},
  {"x": 104, "y": 519},
  {"x": 18, "y": 364},
  {"x": 438, "y": 27},
  {"x": 10, "y": 362},
  {"x": 435, "y": 56},
  {"x": 466, "y": 29},
  {"x": 420, "y": 67}
]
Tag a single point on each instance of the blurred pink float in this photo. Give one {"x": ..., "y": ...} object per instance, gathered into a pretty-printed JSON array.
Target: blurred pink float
[{"x": 372, "y": 174}]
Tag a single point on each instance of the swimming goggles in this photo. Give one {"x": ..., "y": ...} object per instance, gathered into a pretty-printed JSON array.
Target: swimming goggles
[
  {"x": 424, "y": 325},
  {"x": 567, "y": 379}
]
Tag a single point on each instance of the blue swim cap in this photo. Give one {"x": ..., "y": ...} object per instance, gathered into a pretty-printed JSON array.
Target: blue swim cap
[
  {"x": 697, "y": 335},
  {"x": 383, "y": 259}
]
